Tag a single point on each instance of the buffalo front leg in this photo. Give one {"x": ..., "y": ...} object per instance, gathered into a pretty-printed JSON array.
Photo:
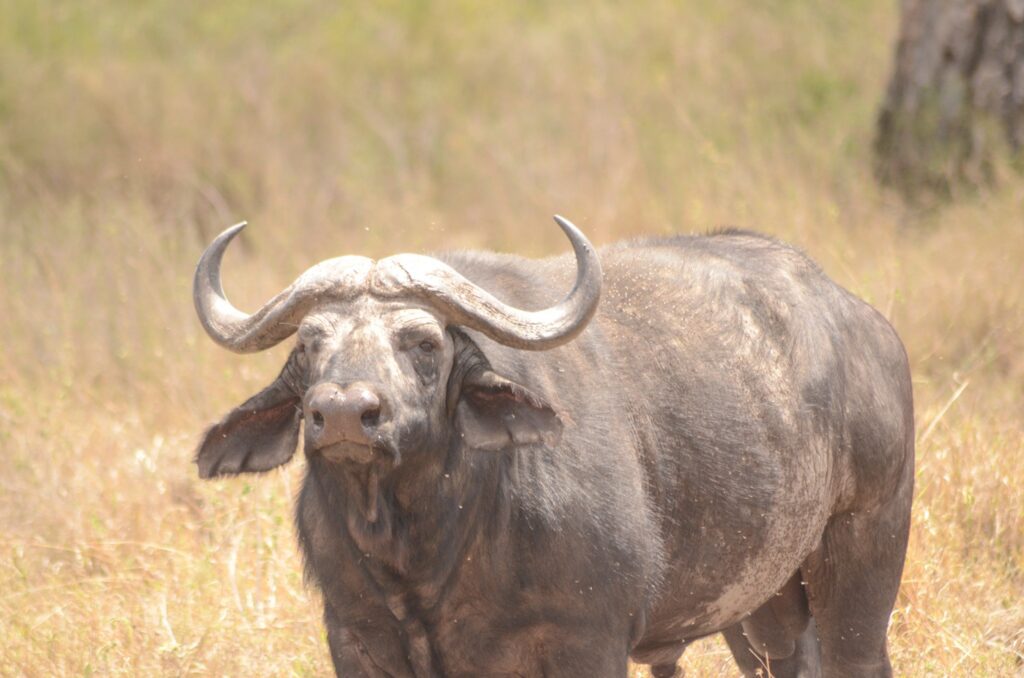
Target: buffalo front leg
[
  {"x": 348, "y": 657},
  {"x": 666, "y": 671},
  {"x": 352, "y": 659}
]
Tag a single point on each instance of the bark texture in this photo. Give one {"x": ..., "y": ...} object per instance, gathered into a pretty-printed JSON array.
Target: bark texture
[{"x": 955, "y": 101}]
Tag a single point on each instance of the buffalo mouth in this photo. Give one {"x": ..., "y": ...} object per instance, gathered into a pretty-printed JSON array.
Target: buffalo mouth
[
  {"x": 344, "y": 451},
  {"x": 364, "y": 466}
]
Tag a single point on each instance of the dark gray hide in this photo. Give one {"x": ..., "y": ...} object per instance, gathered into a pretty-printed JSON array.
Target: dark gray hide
[{"x": 727, "y": 447}]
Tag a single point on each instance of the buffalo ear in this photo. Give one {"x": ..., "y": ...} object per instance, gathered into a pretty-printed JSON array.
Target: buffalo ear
[
  {"x": 258, "y": 435},
  {"x": 494, "y": 413}
]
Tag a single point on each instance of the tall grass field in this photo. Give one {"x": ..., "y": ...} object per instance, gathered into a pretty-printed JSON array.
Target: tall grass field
[{"x": 132, "y": 132}]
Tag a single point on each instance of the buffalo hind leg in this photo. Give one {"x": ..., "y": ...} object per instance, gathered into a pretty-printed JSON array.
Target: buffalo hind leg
[
  {"x": 779, "y": 637},
  {"x": 804, "y": 662},
  {"x": 852, "y": 581}
]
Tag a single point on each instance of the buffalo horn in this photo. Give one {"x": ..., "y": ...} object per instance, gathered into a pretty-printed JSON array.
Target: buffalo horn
[
  {"x": 436, "y": 283},
  {"x": 278, "y": 318},
  {"x": 464, "y": 303}
]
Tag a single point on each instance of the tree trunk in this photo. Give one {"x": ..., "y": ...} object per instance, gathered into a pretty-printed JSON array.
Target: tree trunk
[{"x": 955, "y": 102}]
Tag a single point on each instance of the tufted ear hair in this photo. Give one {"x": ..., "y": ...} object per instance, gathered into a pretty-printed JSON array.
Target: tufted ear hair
[
  {"x": 258, "y": 435},
  {"x": 492, "y": 413}
]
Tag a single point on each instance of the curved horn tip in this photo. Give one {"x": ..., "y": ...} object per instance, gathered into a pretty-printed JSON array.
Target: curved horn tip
[
  {"x": 565, "y": 223},
  {"x": 219, "y": 244},
  {"x": 232, "y": 231},
  {"x": 215, "y": 250},
  {"x": 572, "y": 231}
]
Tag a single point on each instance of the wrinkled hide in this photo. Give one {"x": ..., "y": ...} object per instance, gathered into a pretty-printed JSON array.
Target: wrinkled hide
[{"x": 727, "y": 446}]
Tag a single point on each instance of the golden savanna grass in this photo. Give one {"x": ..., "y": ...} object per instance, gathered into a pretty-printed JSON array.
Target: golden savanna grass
[{"x": 130, "y": 133}]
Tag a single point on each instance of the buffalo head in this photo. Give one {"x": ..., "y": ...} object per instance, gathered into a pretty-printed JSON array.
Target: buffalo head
[{"x": 381, "y": 371}]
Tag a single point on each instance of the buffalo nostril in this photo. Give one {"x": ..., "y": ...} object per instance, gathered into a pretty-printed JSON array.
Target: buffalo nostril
[
  {"x": 371, "y": 418},
  {"x": 335, "y": 415}
]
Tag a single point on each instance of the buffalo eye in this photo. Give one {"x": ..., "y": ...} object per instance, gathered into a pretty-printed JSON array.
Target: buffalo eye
[
  {"x": 423, "y": 355},
  {"x": 308, "y": 343},
  {"x": 301, "y": 357}
]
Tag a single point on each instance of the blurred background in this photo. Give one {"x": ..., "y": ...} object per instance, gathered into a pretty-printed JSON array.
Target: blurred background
[{"x": 132, "y": 133}]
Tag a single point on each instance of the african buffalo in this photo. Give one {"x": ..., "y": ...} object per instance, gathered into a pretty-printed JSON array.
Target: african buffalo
[{"x": 724, "y": 444}]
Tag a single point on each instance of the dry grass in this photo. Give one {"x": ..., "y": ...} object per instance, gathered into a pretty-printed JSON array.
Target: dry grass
[{"x": 130, "y": 132}]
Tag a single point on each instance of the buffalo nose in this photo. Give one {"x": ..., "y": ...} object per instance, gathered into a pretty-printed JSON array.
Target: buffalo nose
[{"x": 335, "y": 414}]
